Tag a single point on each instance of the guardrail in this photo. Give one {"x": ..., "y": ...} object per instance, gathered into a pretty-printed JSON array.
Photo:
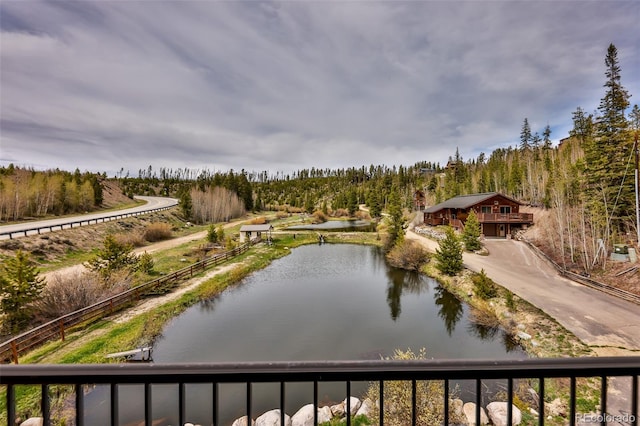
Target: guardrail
[
  {"x": 11, "y": 349},
  {"x": 84, "y": 377},
  {"x": 71, "y": 224},
  {"x": 584, "y": 280}
]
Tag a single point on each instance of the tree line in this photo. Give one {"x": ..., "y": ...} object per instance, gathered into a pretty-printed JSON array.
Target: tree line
[{"x": 27, "y": 193}]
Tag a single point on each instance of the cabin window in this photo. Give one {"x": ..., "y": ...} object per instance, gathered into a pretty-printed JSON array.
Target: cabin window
[
  {"x": 485, "y": 209},
  {"x": 505, "y": 209}
]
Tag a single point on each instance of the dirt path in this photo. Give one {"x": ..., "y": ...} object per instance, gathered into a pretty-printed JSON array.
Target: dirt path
[{"x": 608, "y": 324}]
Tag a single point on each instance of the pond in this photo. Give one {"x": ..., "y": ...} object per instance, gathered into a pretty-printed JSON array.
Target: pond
[
  {"x": 337, "y": 225},
  {"x": 322, "y": 302}
]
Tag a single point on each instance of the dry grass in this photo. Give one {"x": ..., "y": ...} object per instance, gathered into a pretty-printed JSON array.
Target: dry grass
[
  {"x": 157, "y": 231},
  {"x": 132, "y": 239},
  {"x": 261, "y": 220}
]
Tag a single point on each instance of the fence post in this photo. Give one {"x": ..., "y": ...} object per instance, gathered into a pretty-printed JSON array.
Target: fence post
[
  {"x": 61, "y": 322},
  {"x": 14, "y": 351}
]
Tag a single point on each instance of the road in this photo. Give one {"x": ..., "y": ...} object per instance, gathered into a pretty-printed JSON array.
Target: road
[
  {"x": 596, "y": 318},
  {"x": 151, "y": 203}
]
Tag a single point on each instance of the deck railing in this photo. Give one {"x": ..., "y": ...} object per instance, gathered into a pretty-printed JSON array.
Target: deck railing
[
  {"x": 11, "y": 349},
  {"x": 505, "y": 217},
  {"x": 283, "y": 373}
]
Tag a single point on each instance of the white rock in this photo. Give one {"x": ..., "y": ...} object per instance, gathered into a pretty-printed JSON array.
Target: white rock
[
  {"x": 456, "y": 408},
  {"x": 338, "y": 410},
  {"x": 556, "y": 408},
  {"x": 355, "y": 404},
  {"x": 498, "y": 413},
  {"x": 324, "y": 414},
  {"x": 523, "y": 336},
  {"x": 365, "y": 408},
  {"x": 33, "y": 421},
  {"x": 304, "y": 416},
  {"x": 242, "y": 421},
  {"x": 272, "y": 418},
  {"x": 470, "y": 413}
]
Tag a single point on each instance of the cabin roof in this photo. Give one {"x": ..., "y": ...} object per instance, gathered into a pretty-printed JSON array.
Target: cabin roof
[
  {"x": 256, "y": 228},
  {"x": 466, "y": 201}
]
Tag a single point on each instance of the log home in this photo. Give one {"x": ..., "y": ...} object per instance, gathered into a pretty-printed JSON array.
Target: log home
[{"x": 498, "y": 214}]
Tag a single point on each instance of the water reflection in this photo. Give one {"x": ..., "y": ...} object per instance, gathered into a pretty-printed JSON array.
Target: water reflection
[
  {"x": 399, "y": 281},
  {"x": 450, "y": 309}
]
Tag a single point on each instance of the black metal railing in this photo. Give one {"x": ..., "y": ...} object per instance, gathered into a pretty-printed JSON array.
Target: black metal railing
[{"x": 284, "y": 373}]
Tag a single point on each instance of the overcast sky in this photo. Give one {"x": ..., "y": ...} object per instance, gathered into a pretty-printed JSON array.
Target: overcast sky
[{"x": 278, "y": 86}]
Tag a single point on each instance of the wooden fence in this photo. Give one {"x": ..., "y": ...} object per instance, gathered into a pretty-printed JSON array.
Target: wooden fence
[{"x": 11, "y": 349}]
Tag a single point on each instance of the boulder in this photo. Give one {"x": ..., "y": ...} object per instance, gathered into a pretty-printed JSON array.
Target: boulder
[
  {"x": 33, "y": 421},
  {"x": 242, "y": 421},
  {"x": 469, "y": 410},
  {"x": 366, "y": 408},
  {"x": 304, "y": 416},
  {"x": 324, "y": 414},
  {"x": 355, "y": 404},
  {"x": 272, "y": 418},
  {"x": 556, "y": 408},
  {"x": 455, "y": 408},
  {"x": 498, "y": 413},
  {"x": 338, "y": 410}
]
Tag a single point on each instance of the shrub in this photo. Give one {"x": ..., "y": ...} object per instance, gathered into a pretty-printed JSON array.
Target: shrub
[
  {"x": 212, "y": 234},
  {"x": 282, "y": 214},
  {"x": 157, "y": 231},
  {"x": 484, "y": 286},
  {"x": 259, "y": 220},
  {"x": 408, "y": 255},
  {"x": 113, "y": 256},
  {"x": 70, "y": 292},
  {"x": 397, "y": 398},
  {"x": 145, "y": 263},
  {"x": 132, "y": 239},
  {"x": 319, "y": 217}
]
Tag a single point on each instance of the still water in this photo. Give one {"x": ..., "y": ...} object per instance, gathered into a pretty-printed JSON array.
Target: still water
[
  {"x": 338, "y": 225},
  {"x": 322, "y": 302}
]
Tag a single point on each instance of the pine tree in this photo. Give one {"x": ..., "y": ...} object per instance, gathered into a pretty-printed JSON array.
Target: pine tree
[
  {"x": 20, "y": 285},
  {"x": 471, "y": 233},
  {"x": 449, "y": 255},
  {"x": 396, "y": 223},
  {"x": 525, "y": 136},
  {"x": 113, "y": 256},
  {"x": 607, "y": 156}
]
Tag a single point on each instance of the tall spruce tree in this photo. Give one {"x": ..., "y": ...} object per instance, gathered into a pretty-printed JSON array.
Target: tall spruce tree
[
  {"x": 610, "y": 185},
  {"x": 525, "y": 135},
  {"x": 449, "y": 255},
  {"x": 471, "y": 233}
]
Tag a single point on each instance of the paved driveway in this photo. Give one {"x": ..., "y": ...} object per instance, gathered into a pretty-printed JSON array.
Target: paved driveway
[{"x": 596, "y": 318}]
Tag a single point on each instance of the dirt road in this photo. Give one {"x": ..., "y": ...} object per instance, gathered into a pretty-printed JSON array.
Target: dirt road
[{"x": 602, "y": 321}]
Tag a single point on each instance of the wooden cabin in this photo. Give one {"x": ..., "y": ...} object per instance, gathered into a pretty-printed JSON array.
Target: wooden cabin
[{"x": 498, "y": 214}]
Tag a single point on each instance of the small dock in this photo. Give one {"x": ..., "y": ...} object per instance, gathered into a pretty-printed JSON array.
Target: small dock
[{"x": 145, "y": 354}]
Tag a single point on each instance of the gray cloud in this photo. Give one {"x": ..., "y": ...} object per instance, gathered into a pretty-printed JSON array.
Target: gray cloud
[{"x": 286, "y": 85}]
